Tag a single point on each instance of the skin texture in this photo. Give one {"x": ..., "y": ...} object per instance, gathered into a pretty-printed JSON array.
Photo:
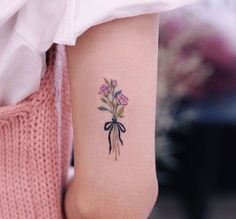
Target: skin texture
[{"x": 126, "y": 50}]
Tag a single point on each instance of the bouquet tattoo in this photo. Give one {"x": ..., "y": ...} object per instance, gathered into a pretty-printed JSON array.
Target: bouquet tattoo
[{"x": 114, "y": 102}]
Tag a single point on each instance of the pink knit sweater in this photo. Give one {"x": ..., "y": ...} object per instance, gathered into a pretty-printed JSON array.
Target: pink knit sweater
[{"x": 35, "y": 147}]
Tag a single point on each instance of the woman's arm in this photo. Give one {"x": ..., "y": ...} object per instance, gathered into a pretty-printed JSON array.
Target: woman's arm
[{"x": 125, "y": 50}]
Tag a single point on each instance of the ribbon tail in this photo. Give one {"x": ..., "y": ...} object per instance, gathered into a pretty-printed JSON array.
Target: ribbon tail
[
  {"x": 121, "y": 128},
  {"x": 119, "y": 135},
  {"x": 109, "y": 138}
]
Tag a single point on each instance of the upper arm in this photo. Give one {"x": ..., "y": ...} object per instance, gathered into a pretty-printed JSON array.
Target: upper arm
[{"x": 124, "y": 50}]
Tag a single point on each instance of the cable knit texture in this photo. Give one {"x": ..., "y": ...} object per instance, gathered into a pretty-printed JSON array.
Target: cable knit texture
[{"x": 35, "y": 147}]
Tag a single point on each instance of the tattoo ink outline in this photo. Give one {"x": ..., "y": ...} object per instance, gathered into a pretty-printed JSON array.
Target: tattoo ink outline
[{"x": 115, "y": 103}]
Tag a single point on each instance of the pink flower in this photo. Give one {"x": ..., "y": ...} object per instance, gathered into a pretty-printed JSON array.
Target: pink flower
[
  {"x": 104, "y": 90},
  {"x": 113, "y": 83},
  {"x": 122, "y": 100}
]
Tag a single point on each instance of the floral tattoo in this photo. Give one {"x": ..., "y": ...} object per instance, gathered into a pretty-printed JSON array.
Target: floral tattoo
[{"x": 115, "y": 102}]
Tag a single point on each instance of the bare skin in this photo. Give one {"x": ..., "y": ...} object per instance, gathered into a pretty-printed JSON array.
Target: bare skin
[{"x": 104, "y": 187}]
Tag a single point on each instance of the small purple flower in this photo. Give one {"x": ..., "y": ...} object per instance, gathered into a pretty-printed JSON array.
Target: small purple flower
[
  {"x": 104, "y": 90},
  {"x": 122, "y": 100},
  {"x": 113, "y": 83}
]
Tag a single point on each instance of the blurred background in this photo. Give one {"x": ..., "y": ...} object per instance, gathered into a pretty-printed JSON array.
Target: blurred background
[{"x": 196, "y": 112}]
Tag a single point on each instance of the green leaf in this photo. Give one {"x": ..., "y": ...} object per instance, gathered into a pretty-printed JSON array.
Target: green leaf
[
  {"x": 113, "y": 104},
  {"x": 120, "y": 112},
  {"x": 102, "y": 108},
  {"x": 117, "y": 93},
  {"x": 103, "y": 100},
  {"x": 106, "y": 81}
]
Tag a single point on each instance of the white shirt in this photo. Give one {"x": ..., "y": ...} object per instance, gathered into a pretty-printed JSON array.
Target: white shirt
[{"x": 29, "y": 27}]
